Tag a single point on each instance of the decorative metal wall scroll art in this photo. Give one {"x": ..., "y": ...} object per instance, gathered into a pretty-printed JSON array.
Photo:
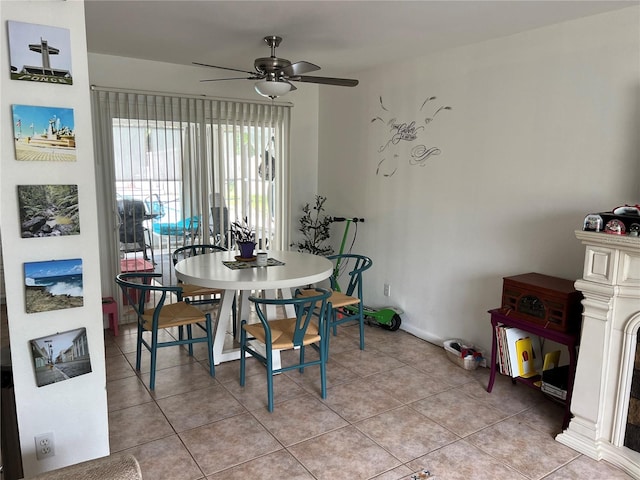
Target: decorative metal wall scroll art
[{"x": 400, "y": 132}]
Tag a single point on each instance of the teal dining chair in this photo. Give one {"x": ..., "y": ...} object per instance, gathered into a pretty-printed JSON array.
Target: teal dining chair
[
  {"x": 307, "y": 328},
  {"x": 139, "y": 289},
  {"x": 346, "y": 302},
  {"x": 195, "y": 294}
]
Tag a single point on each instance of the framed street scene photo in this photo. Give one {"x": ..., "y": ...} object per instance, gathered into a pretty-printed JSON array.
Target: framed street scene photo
[{"x": 60, "y": 356}]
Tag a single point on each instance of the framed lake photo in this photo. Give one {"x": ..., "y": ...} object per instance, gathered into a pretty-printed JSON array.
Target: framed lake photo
[
  {"x": 48, "y": 210},
  {"x": 60, "y": 356},
  {"x": 44, "y": 133},
  {"x": 53, "y": 285},
  {"x": 40, "y": 53}
]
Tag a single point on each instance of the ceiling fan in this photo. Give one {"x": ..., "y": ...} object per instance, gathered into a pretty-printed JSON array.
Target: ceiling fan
[{"x": 274, "y": 75}]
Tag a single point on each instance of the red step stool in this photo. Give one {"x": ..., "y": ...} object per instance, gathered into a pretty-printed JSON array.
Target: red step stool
[{"x": 110, "y": 307}]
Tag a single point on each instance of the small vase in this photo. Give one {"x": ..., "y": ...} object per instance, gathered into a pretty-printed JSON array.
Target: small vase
[{"x": 246, "y": 249}]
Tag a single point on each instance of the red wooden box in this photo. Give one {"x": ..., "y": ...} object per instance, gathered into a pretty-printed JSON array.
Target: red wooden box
[
  {"x": 132, "y": 265},
  {"x": 551, "y": 302}
]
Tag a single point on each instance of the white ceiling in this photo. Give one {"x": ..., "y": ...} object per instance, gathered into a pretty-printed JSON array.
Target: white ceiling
[{"x": 343, "y": 37}]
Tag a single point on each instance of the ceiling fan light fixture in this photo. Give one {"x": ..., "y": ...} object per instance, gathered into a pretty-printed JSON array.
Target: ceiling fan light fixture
[{"x": 272, "y": 89}]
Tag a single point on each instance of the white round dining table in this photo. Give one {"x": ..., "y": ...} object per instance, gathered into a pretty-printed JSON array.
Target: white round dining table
[{"x": 208, "y": 270}]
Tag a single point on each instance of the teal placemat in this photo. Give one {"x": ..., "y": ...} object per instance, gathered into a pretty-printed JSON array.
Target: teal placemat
[{"x": 239, "y": 264}]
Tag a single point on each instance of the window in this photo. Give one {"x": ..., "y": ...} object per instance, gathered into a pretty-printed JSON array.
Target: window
[{"x": 184, "y": 168}]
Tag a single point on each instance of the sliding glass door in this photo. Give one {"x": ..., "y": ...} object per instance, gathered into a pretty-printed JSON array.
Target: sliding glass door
[{"x": 184, "y": 168}]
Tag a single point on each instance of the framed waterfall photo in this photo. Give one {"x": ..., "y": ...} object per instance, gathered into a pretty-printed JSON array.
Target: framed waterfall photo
[
  {"x": 48, "y": 210},
  {"x": 39, "y": 53}
]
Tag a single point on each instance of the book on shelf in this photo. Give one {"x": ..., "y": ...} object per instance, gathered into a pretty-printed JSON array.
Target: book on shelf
[
  {"x": 524, "y": 353},
  {"x": 519, "y": 352}
]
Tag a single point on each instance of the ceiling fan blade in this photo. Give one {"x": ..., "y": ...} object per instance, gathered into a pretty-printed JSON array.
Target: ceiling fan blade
[
  {"x": 298, "y": 68},
  {"x": 341, "y": 82},
  {"x": 223, "y": 68},
  {"x": 234, "y": 78}
]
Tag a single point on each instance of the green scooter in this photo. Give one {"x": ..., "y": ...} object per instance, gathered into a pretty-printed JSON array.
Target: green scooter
[{"x": 385, "y": 317}]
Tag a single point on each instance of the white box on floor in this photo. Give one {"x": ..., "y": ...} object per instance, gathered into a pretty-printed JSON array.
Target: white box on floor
[{"x": 468, "y": 363}]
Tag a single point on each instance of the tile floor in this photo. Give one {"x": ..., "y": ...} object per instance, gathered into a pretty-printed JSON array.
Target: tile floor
[{"x": 393, "y": 410}]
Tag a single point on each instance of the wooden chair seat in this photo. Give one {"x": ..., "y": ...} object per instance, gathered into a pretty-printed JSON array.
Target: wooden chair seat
[
  {"x": 189, "y": 290},
  {"x": 173, "y": 315},
  {"x": 282, "y": 332},
  {"x": 337, "y": 299}
]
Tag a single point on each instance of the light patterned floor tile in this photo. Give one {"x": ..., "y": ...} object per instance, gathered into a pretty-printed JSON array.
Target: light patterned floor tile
[
  {"x": 228, "y": 443},
  {"x": 290, "y": 421},
  {"x": 458, "y": 412},
  {"x": 118, "y": 367},
  {"x": 405, "y": 433},
  {"x": 199, "y": 407},
  {"x": 516, "y": 444},
  {"x": 126, "y": 392},
  {"x": 134, "y": 426},
  {"x": 463, "y": 461},
  {"x": 344, "y": 453},
  {"x": 406, "y": 384},
  {"x": 180, "y": 379},
  {"x": 584, "y": 467},
  {"x": 358, "y": 400},
  {"x": 166, "y": 458},
  {"x": 254, "y": 393},
  {"x": 274, "y": 466},
  {"x": 365, "y": 362}
]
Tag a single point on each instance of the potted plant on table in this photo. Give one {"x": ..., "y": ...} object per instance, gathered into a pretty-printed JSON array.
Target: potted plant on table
[{"x": 245, "y": 237}]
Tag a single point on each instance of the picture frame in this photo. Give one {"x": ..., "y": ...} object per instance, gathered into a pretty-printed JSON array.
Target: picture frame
[
  {"x": 44, "y": 133},
  {"x": 48, "y": 210},
  {"x": 53, "y": 285},
  {"x": 60, "y": 356},
  {"x": 39, "y": 53}
]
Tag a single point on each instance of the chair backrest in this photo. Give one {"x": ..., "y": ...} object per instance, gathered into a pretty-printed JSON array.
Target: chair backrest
[
  {"x": 132, "y": 214},
  {"x": 306, "y": 307},
  {"x": 357, "y": 264},
  {"x": 154, "y": 205},
  {"x": 136, "y": 285},
  {"x": 193, "y": 250}
]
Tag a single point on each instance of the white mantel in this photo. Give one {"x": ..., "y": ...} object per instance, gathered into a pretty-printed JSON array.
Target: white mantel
[{"x": 610, "y": 325}]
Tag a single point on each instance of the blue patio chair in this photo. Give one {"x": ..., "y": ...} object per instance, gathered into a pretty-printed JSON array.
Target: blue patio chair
[{"x": 307, "y": 328}]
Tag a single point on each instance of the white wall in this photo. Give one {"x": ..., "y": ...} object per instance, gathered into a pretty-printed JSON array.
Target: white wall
[
  {"x": 543, "y": 130},
  {"x": 135, "y": 74},
  {"x": 75, "y": 410}
]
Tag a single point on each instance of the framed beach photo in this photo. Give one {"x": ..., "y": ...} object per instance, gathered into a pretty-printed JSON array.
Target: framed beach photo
[
  {"x": 60, "y": 356},
  {"x": 40, "y": 53},
  {"x": 44, "y": 133},
  {"x": 48, "y": 210},
  {"x": 53, "y": 285}
]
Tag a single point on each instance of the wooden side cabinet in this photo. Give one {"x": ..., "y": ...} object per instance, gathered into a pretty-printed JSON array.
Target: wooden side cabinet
[{"x": 500, "y": 316}]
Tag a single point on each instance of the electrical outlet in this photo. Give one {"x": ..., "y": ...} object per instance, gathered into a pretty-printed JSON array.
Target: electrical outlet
[
  {"x": 45, "y": 447},
  {"x": 387, "y": 289}
]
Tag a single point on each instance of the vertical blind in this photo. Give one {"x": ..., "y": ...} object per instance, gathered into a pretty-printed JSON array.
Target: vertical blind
[{"x": 192, "y": 165}]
